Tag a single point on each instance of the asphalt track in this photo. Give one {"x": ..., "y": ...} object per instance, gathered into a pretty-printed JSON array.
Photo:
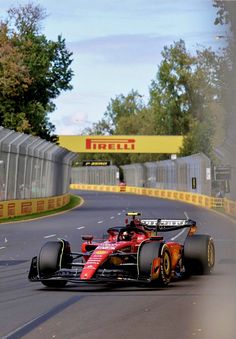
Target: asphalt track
[{"x": 201, "y": 307}]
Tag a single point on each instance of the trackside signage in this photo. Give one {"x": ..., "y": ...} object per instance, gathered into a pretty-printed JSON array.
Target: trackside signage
[
  {"x": 122, "y": 144},
  {"x": 96, "y": 163},
  {"x": 116, "y": 144}
]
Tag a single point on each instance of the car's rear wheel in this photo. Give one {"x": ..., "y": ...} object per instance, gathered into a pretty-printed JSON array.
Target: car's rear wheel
[
  {"x": 199, "y": 254},
  {"x": 53, "y": 256},
  {"x": 154, "y": 262}
]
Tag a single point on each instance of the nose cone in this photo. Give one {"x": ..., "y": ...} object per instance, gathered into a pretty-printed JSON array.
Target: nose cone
[{"x": 94, "y": 262}]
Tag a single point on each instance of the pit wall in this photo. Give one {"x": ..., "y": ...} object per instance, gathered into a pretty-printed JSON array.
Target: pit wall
[
  {"x": 14, "y": 208},
  {"x": 222, "y": 204}
]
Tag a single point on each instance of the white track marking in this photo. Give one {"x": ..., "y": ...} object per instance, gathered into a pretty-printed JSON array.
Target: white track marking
[
  {"x": 186, "y": 215},
  {"x": 100, "y": 222},
  {"x": 80, "y": 228},
  {"x": 118, "y": 213},
  {"x": 178, "y": 235},
  {"x": 112, "y": 217},
  {"x": 2, "y": 248},
  {"x": 49, "y": 236}
]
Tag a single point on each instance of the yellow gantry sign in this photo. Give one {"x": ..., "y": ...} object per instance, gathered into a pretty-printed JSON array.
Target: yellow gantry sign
[{"x": 122, "y": 143}]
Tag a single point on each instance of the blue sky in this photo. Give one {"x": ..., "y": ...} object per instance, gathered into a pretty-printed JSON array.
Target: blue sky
[{"x": 117, "y": 47}]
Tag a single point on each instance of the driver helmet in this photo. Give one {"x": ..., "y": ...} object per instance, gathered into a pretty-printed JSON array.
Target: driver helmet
[{"x": 126, "y": 236}]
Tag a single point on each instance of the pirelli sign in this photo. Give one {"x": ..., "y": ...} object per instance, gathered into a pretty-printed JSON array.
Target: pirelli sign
[{"x": 122, "y": 144}]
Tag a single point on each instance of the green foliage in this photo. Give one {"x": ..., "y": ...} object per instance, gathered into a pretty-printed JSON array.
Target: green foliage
[
  {"x": 125, "y": 115},
  {"x": 123, "y": 108},
  {"x": 182, "y": 95},
  {"x": 198, "y": 139},
  {"x": 169, "y": 92},
  {"x": 101, "y": 128},
  {"x": 33, "y": 72},
  {"x": 222, "y": 16}
]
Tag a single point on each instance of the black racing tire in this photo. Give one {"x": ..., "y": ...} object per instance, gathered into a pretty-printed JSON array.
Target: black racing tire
[
  {"x": 199, "y": 254},
  {"x": 148, "y": 252},
  {"x": 53, "y": 256}
]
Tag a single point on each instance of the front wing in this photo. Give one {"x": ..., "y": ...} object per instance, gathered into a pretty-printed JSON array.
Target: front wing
[{"x": 102, "y": 276}]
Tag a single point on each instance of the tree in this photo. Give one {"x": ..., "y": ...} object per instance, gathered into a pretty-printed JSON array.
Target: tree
[
  {"x": 222, "y": 16},
  {"x": 181, "y": 95},
  {"x": 33, "y": 72},
  {"x": 12, "y": 73},
  {"x": 122, "y": 117},
  {"x": 122, "y": 108},
  {"x": 101, "y": 127},
  {"x": 169, "y": 92}
]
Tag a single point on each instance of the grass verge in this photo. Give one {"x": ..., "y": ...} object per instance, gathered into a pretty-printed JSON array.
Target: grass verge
[{"x": 74, "y": 201}]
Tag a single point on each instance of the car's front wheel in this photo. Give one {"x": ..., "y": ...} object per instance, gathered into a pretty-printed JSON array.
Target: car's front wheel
[{"x": 53, "y": 256}]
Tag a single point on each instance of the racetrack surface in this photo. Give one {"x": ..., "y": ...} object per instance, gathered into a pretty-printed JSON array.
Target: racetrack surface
[{"x": 200, "y": 307}]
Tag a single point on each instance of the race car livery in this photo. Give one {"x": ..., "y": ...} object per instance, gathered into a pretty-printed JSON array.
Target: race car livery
[{"x": 140, "y": 252}]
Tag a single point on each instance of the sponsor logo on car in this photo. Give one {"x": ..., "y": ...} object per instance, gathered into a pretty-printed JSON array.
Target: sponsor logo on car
[{"x": 101, "y": 252}]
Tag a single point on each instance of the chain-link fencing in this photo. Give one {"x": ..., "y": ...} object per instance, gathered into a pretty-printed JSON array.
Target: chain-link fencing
[
  {"x": 188, "y": 174},
  {"x": 97, "y": 175},
  {"x": 31, "y": 167}
]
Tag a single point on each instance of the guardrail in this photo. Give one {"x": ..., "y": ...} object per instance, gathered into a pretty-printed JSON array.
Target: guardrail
[
  {"x": 14, "y": 208},
  {"x": 191, "y": 198},
  {"x": 230, "y": 207}
]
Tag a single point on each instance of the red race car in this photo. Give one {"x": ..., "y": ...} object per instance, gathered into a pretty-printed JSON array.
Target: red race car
[{"x": 139, "y": 252}]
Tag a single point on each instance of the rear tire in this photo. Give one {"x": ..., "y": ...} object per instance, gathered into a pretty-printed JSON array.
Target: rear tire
[
  {"x": 154, "y": 262},
  {"x": 53, "y": 256},
  {"x": 199, "y": 254}
]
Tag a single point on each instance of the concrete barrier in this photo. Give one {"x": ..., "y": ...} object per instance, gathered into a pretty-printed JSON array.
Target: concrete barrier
[
  {"x": 15, "y": 208},
  {"x": 190, "y": 198},
  {"x": 230, "y": 207}
]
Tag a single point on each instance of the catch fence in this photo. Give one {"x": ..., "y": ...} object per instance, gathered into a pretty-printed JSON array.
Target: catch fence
[
  {"x": 188, "y": 174},
  {"x": 96, "y": 175},
  {"x": 31, "y": 167}
]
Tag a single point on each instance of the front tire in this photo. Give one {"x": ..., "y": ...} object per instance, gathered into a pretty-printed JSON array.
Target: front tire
[
  {"x": 154, "y": 262},
  {"x": 199, "y": 254},
  {"x": 53, "y": 256}
]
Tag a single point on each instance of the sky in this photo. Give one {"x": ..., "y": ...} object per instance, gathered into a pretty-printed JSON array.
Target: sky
[{"x": 116, "y": 47}]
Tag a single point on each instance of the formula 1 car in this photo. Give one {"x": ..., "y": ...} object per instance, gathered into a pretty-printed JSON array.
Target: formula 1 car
[{"x": 137, "y": 253}]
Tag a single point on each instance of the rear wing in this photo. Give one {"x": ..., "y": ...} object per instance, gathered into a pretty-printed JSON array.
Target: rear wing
[{"x": 167, "y": 225}]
